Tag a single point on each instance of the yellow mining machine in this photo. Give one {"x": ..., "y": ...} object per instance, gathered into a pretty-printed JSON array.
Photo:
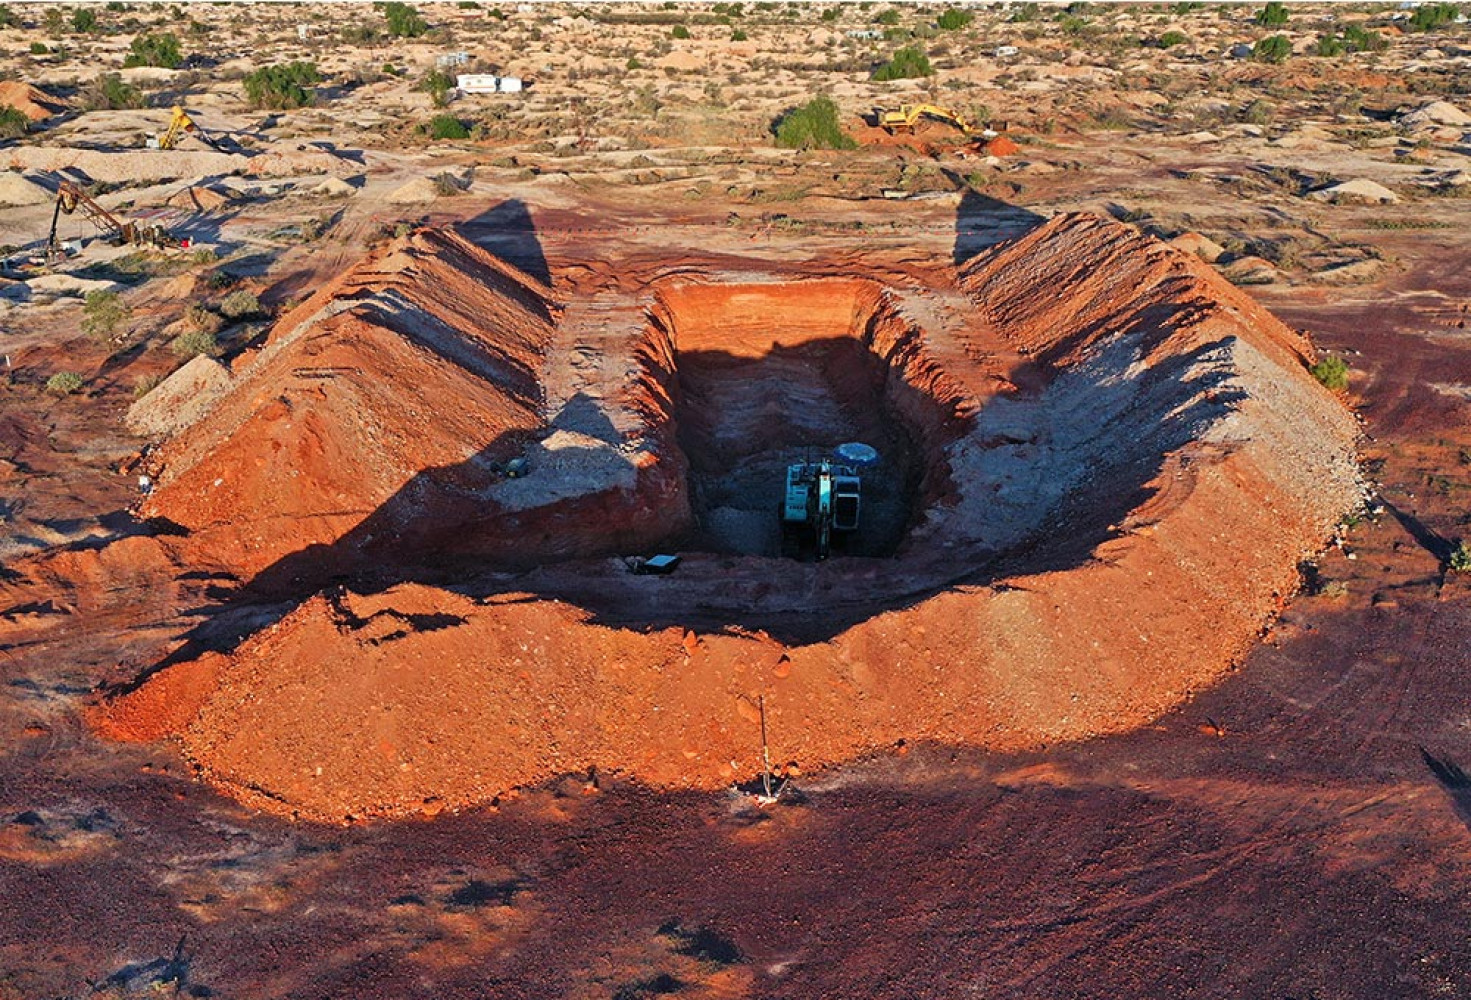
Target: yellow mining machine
[
  {"x": 179, "y": 126},
  {"x": 905, "y": 117}
]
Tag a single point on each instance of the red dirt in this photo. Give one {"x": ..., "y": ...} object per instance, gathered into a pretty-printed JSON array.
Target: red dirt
[
  {"x": 1169, "y": 430},
  {"x": 33, "y": 102}
]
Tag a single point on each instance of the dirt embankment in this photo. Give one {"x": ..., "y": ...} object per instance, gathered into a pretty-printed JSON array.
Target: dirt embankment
[{"x": 1149, "y": 499}]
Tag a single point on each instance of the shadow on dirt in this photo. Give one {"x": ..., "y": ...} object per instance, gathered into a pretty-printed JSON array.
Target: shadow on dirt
[
  {"x": 509, "y": 232},
  {"x": 1454, "y": 780},
  {"x": 982, "y": 221}
]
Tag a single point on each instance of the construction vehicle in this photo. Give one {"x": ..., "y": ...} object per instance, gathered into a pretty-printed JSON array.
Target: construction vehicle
[
  {"x": 822, "y": 497},
  {"x": 70, "y": 198},
  {"x": 905, "y": 117},
  {"x": 180, "y": 126}
]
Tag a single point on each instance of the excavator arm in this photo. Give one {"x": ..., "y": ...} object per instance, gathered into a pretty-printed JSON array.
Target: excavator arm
[{"x": 905, "y": 117}]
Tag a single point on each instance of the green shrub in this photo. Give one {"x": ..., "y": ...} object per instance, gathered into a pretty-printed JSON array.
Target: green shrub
[
  {"x": 1360, "y": 39},
  {"x": 203, "y": 319},
  {"x": 889, "y": 17},
  {"x": 240, "y": 304},
  {"x": 812, "y": 126},
  {"x": 403, "y": 20},
  {"x": 102, "y": 314},
  {"x": 282, "y": 86},
  {"x": 633, "y": 63},
  {"x": 1332, "y": 373},
  {"x": 1027, "y": 13},
  {"x": 7, "y": 17},
  {"x": 154, "y": 50},
  {"x": 1459, "y": 560},
  {"x": 1272, "y": 49},
  {"x": 1432, "y": 15},
  {"x": 1329, "y": 46},
  {"x": 1273, "y": 14},
  {"x": 680, "y": 31},
  {"x": 64, "y": 383},
  {"x": 738, "y": 35},
  {"x": 144, "y": 384},
  {"x": 829, "y": 14},
  {"x": 40, "y": 49},
  {"x": 84, "y": 20},
  {"x": 954, "y": 20},
  {"x": 1172, "y": 38},
  {"x": 437, "y": 84},
  {"x": 1258, "y": 112},
  {"x": 446, "y": 127},
  {"x": 194, "y": 343},
  {"x": 13, "y": 123},
  {"x": 906, "y": 63},
  {"x": 109, "y": 93}
]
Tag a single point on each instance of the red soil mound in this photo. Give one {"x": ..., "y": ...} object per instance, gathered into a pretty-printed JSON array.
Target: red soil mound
[
  {"x": 33, "y": 102},
  {"x": 418, "y": 365},
  {"x": 1152, "y": 501}
]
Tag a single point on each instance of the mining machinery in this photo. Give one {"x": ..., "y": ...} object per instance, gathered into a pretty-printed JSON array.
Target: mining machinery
[
  {"x": 822, "y": 497},
  {"x": 70, "y": 199},
  {"x": 179, "y": 126},
  {"x": 906, "y": 116}
]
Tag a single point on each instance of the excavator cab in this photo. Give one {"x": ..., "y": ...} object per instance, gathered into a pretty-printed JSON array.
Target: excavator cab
[{"x": 821, "y": 497}]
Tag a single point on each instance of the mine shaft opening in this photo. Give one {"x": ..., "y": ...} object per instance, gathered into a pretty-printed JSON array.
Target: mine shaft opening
[{"x": 775, "y": 374}]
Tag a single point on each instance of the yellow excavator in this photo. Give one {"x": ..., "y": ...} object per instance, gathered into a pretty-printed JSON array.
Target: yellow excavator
[
  {"x": 180, "y": 126},
  {"x": 905, "y": 117}
]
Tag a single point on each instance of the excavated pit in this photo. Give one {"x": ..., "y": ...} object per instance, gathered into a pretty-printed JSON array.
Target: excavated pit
[
  {"x": 1082, "y": 532},
  {"x": 774, "y": 373}
]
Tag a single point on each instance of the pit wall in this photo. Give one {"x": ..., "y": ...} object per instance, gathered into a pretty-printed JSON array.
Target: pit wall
[
  {"x": 1140, "y": 622},
  {"x": 372, "y": 430},
  {"x": 751, "y": 319}
]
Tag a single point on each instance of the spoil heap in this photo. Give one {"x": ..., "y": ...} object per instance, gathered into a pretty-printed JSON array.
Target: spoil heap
[
  {"x": 33, "y": 102},
  {"x": 405, "y": 380},
  {"x": 1125, "y": 527}
]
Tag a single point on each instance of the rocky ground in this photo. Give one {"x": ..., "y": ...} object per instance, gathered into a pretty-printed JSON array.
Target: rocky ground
[{"x": 1274, "y": 804}]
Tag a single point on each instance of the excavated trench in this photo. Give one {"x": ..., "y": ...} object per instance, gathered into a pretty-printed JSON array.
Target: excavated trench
[{"x": 771, "y": 374}]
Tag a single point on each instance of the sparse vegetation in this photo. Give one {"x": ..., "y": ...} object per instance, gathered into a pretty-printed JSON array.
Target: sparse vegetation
[
  {"x": 144, "y": 384},
  {"x": 888, "y": 17},
  {"x": 240, "y": 304},
  {"x": 84, "y": 20},
  {"x": 1430, "y": 16},
  {"x": 907, "y": 63},
  {"x": 954, "y": 20},
  {"x": 1172, "y": 38},
  {"x": 446, "y": 127},
  {"x": 64, "y": 383},
  {"x": 109, "y": 93},
  {"x": 437, "y": 84},
  {"x": 202, "y": 319},
  {"x": 1273, "y": 14},
  {"x": 194, "y": 343},
  {"x": 283, "y": 86},
  {"x": 154, "y": 50},
  {"x": 812, "y": 126},
  {"x": 404, "y": 20},
  {"x": 1272, "y": 49},
  {"x": 12, "y": 122},
  {"x": 102, "y": 314},
  {"x": 1332, "y": 373}
]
